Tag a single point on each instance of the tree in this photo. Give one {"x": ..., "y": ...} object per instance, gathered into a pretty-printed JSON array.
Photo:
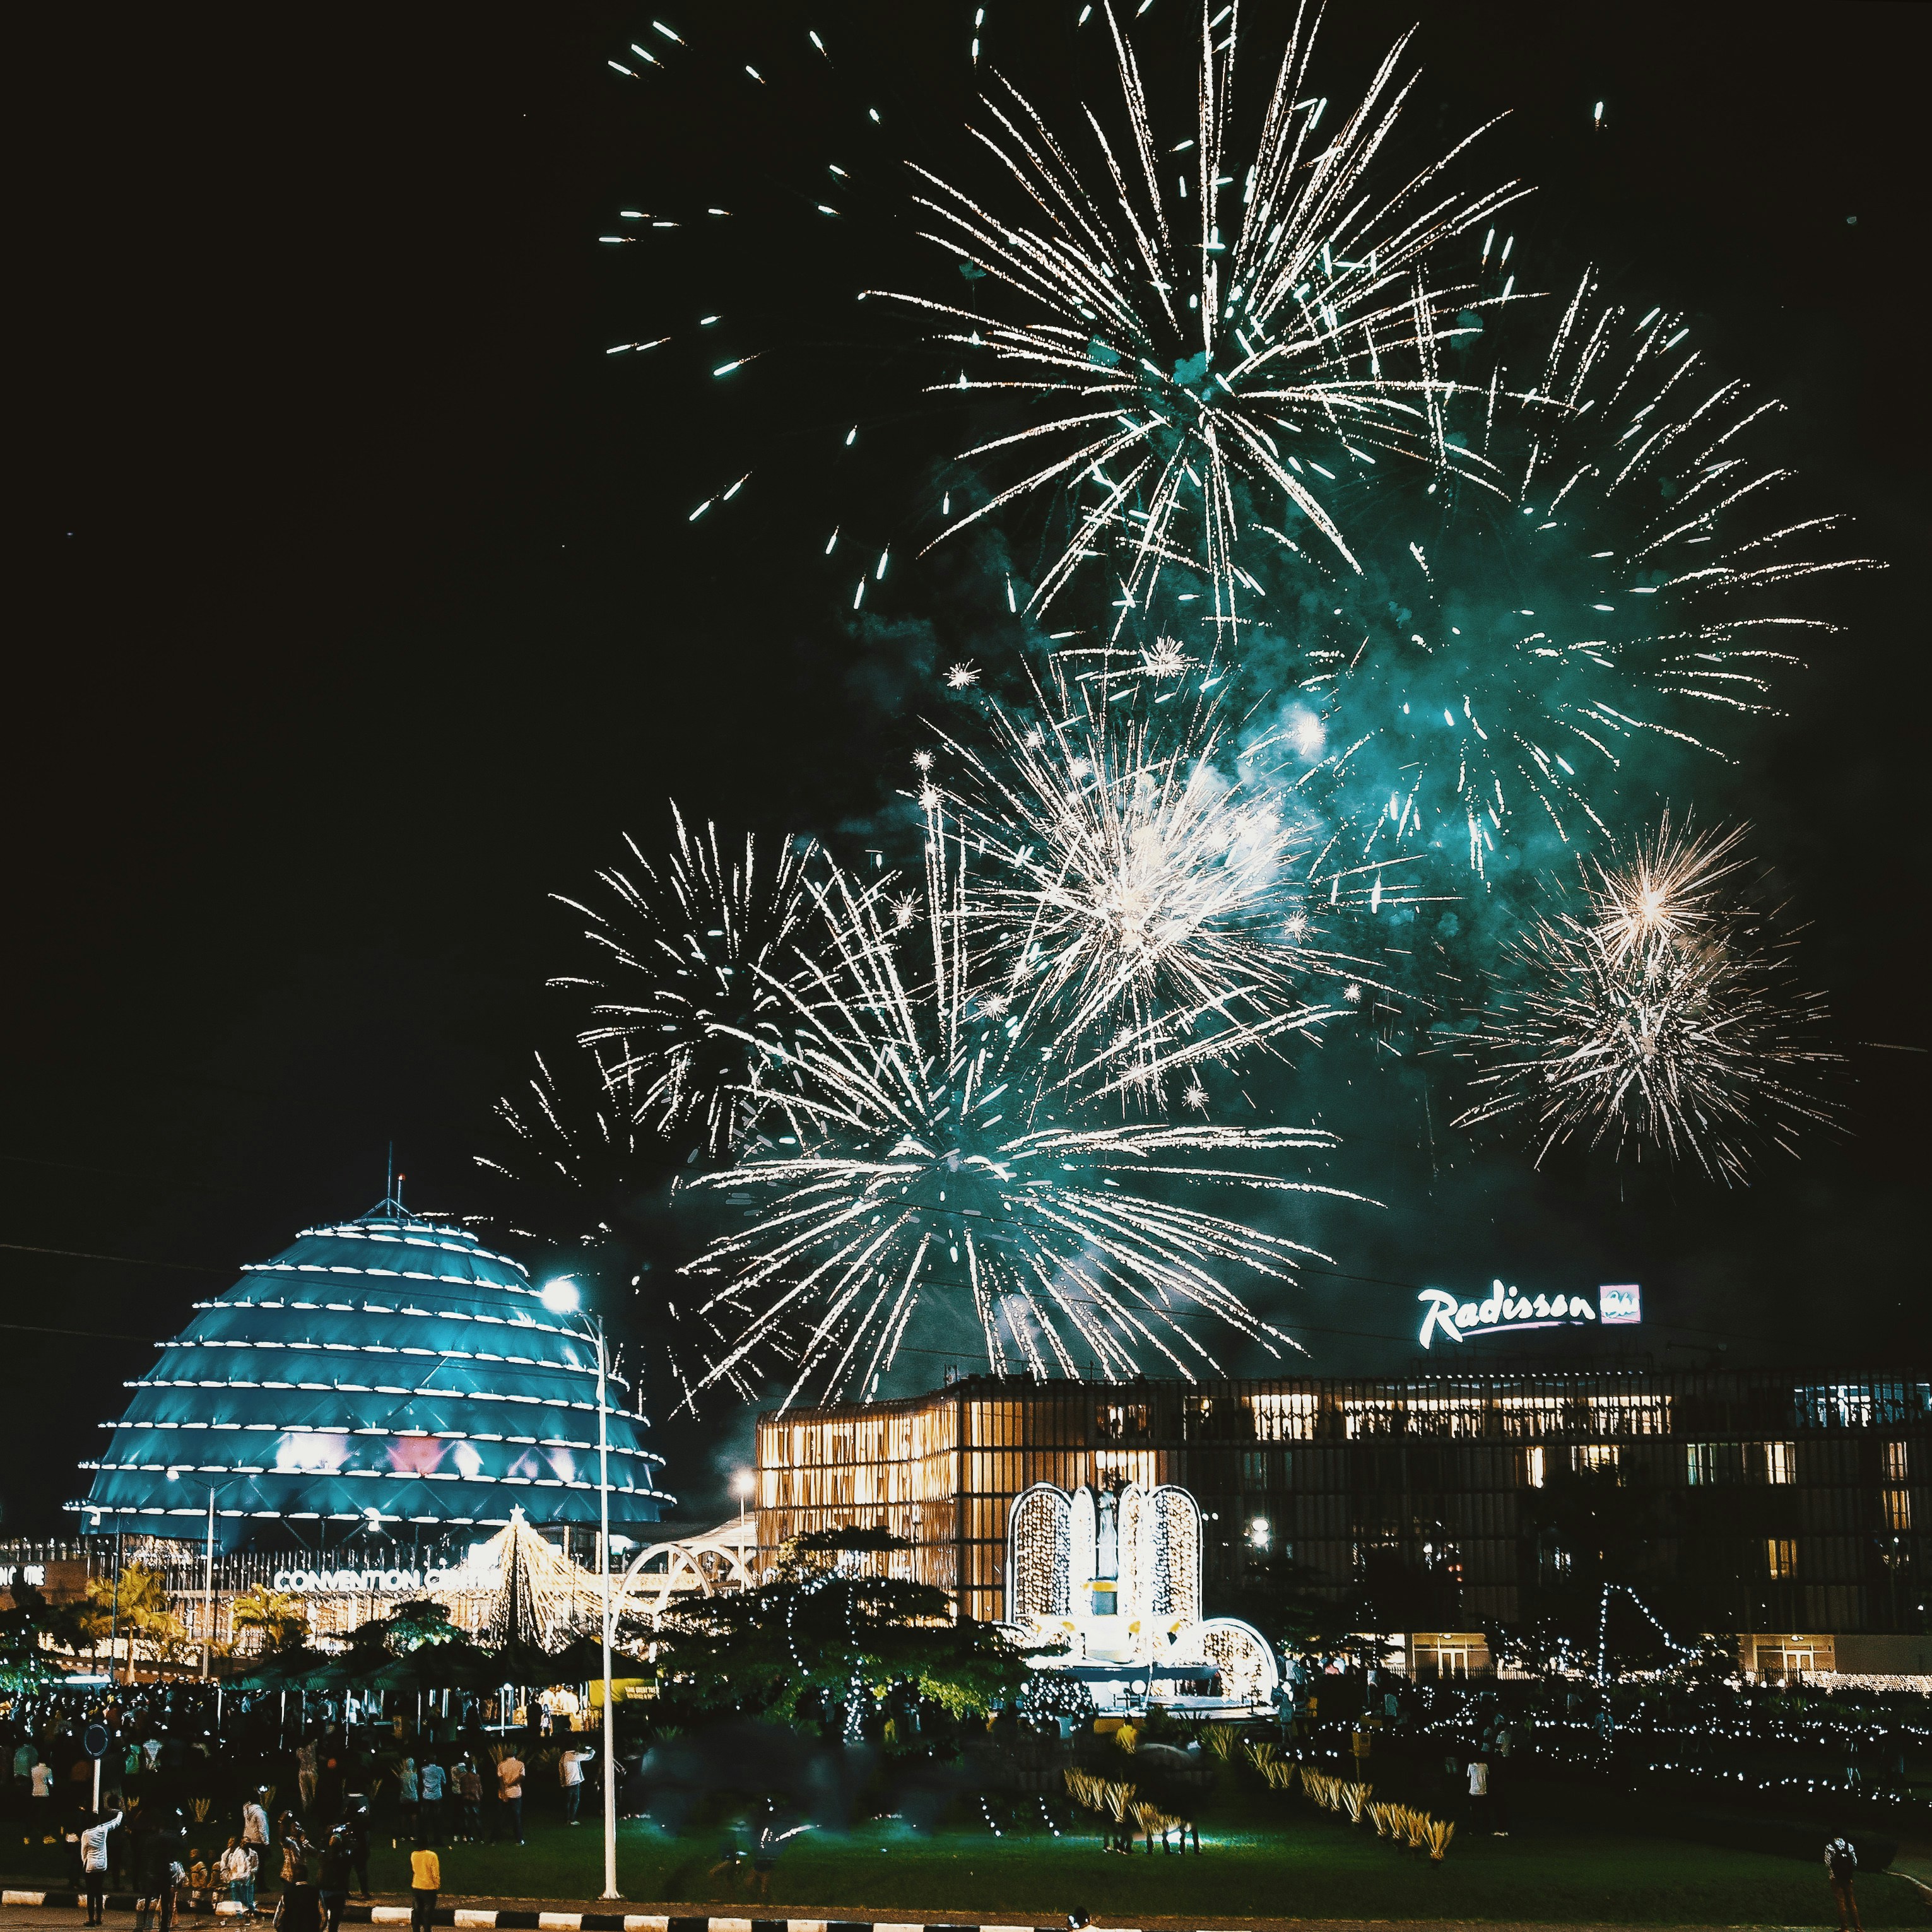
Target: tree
[
  {"x": 828, "y": 1639},
  {"x": 25, "y": 1664},
  {"x": 1291, "y": 1606},
  {"x": 146, "y": 1609},
  {"x": 282, "y": 1620},
  {"x": 422, "y": 1620}
]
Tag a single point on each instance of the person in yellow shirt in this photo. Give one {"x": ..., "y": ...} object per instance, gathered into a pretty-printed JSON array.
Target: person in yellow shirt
[{"x": 425, "y": 1882}]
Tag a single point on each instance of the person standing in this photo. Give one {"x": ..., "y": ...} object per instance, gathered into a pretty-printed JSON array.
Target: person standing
[
  {"x": 155, "y": 1845},
  {"x": 510, "y": 1795},
  {"x": 470, "y": 1800},
  {"x": 357, "y": 1827},
  {"x": 765, "y": 1852},
  {"x": 237, "y": 1872},
  {"x": 1479, "y": 1793},
  {"x": 337, "y": 1869},
  {"x": 425, "y": 1882},
  {"x": 1841, "y": 1868},
  {"x": 255, "y": 1825},
  {"x": 300, "y": 1910},
  {"x": 295, "y": 1852},
  {"x": 429, "y": 1828},
  {"x": 307, "y": 1768},
  {"x": 200, "y": 1885},
  {"x": 409, "y": 1797},
  {"x": 570, "y": 1775},
  {"x": 93, "y": 1864},
  {"x": 1501, "y": 1775}
]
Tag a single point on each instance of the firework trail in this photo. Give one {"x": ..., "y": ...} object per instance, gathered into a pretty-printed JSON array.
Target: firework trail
[
  {"x": 1188, "y": 334},
  {"x": 926, "y": 1167},
  {"x": 581, "y": 1171},
  {"x": 688, "y": 944},
  {"x": 1603, "y": 582},
  {"x": 1141, "y": 913},
  {"x": 1180, "y": 384},
  {"x": 1662, "y": 1015}
]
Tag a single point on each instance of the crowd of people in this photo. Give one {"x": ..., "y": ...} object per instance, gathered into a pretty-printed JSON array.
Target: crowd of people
[{"x": 169, "y": 1791}]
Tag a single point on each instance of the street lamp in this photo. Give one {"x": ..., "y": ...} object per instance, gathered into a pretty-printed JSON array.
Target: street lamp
[
  {"x": 742, "y": 1484},
  {"x": 562, "y": 1297},
  {"x": 207, "y": 1580}
]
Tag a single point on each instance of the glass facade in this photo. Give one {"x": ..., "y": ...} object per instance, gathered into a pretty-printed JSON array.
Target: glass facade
[
  {"x": 1774, "y": 1500},
  {"x": 387, "y": 1370}
]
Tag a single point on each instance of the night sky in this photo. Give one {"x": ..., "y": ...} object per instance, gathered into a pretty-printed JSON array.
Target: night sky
[{"x": 360, "y": 612}]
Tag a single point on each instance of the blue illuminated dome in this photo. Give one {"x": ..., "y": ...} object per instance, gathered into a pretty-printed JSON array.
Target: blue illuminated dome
[{"x": 386, "y": 1369}]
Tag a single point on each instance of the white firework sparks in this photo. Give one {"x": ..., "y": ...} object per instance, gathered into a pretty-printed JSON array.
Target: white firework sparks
[
  {"x": 1604, "y": 580},
  {"x": 688, "y": 945},
  {"x": 926, "y": 1169},
  {"x": 582, "y": 1176},
  {"x": 1662, "y": 1016},
  {"x": 1201, "y": 343},
  {"x": 1144, "y": 911}
]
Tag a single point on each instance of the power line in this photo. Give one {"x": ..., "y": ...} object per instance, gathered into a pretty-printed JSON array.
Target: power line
[
  {"x": 126, "y": 1261},
  {"x": 85, "y": 1334}
]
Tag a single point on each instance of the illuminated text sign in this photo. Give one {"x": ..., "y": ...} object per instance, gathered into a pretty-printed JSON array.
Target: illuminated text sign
[
  {"x": 301, "y": 1583},
  {"x": 1505, "y": 1309}
]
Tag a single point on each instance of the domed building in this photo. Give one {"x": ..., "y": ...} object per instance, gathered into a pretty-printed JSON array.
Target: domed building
[{"x": 381, "y": 1372}]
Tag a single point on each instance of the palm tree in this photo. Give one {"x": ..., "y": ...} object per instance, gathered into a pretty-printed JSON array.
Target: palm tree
[{"x": 282, "y": 1620}]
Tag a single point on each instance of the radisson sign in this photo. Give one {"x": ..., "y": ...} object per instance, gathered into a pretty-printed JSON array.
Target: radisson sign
[{"x": 1505, "y": 1309}]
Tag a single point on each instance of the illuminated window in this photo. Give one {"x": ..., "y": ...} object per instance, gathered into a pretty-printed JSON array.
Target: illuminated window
[
  {"x": 1780, "y": 1462},
  {"x": 1598, "y": 1455},
  {"x": 1533, "y": 1467},
  {"x": 1781, "y": 1557},
  {"x": 1898, "y": 1509},
  {"x": 1895, "y": 1463}
]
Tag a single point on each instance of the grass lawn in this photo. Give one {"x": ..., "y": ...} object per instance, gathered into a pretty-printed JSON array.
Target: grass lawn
[
  {"x": 1266, "y": 1856},
  {"x": 1283, "y": 1861}
]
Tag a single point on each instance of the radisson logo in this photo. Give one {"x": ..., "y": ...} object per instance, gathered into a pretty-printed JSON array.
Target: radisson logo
[{"x": 1505, "y": 1309}]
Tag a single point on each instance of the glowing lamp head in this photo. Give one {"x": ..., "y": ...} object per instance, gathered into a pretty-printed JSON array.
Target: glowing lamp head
[
  {"x": 174, "y": 1475},
  {"x": 561, "y": 1296},
  {"x": 742, "y": 1483}
]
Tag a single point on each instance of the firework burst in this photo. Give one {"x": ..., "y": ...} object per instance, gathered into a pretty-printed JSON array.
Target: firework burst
[
  {"x": 1662, "y": 1014},
  {"x": 1603, "y": 583},
  {"x": 581, "y": 1174},
  {"x": 689, "y": 943},
  {"x": 1200, "y": 339},
  {"x": 926, "y": 1168},
  {"x": 1142, "y": 912}
]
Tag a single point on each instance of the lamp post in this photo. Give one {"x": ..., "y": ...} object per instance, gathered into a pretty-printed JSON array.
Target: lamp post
[
  {"x": 742, "y": 1485},
  {"x": 207, "y": 1580},
  {"x": 561, "y": 1296}
]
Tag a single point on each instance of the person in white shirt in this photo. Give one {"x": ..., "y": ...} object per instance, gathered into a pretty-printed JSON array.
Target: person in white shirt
[
  {"x": 237, "y": 1871},
  {"x": 1479, "y": 1793},
  {"x": 570, "y": 1775},
  {"x": 93, "y": 1864},
  {"x": 42, "y": 1775},
  {"x": 255, "y": 1820}
]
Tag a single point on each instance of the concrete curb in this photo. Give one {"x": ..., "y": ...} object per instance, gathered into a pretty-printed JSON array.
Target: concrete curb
[{"x": 506, "y": 1918}]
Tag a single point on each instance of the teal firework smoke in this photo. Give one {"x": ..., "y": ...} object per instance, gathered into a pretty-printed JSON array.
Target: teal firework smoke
[{"x": 1592, "y": 599}]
